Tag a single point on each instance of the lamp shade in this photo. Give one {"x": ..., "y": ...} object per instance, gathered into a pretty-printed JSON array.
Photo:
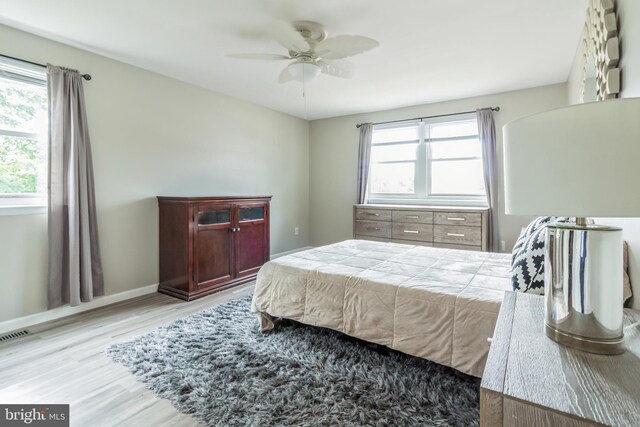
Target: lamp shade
[
  {"x": 304, "y": 71},
  {"x": 582, "y": 161}
]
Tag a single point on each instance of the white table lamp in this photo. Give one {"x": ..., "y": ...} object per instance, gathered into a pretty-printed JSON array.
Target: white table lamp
[{"x": 579, "y": 161}]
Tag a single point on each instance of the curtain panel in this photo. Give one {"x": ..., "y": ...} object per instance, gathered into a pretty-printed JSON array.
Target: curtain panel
[
  {"x": 364, "y": 157},
  {"x": 487, "y": 133},
  {"x": 75, "y": 267}
]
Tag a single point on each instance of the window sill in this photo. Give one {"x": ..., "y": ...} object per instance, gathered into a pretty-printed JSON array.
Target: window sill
[{"x": 22, "y": 210}]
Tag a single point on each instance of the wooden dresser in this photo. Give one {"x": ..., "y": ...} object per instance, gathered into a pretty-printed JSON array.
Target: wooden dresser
[
  {"x": 208, "y": 244},
  {"x": 442, "y": 227},
  {"x": 530, "y": 380}
]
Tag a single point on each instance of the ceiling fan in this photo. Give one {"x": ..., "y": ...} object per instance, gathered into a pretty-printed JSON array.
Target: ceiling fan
[{"x": 311, "y": 52}]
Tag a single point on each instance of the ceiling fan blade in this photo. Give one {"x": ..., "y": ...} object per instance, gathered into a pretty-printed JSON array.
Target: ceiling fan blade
[
  {"x": 340, "y": 68},
  {"x": 288, "y": 37},
  {"x": 265, "y": 56},
  {"x": 339, "y": 47},
  {"x": 285, "y": 76}
]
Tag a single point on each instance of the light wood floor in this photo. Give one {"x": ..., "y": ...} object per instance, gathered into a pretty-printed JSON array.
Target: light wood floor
[{"x": 64, "y": 362}]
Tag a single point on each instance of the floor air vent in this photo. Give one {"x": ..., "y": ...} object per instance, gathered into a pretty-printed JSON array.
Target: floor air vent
[{"x": 13, "y": 335}]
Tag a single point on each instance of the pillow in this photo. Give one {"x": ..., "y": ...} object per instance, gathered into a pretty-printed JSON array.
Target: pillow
[
  {"x": 527, "y": 263},
  {"x": 533, "y": 226},
  {"x": 518, "y": 245},
  {"x": 527, "y": 267}
]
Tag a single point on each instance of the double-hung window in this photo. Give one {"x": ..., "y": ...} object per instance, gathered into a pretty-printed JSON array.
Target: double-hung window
[
  {"x": 23, "y": 133},
  {"x": 433, "y": 161}
]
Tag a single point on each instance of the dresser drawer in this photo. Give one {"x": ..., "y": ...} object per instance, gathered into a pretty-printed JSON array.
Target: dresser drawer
[
  {"x": 458, "y": 218},
  {"x": 373, "y": 214},
  {"x": 457, "y": 235},
  {"x": 413, "y": 217},
  {"x": 373, "y": 229},
  {"x": 419, "y": 232}
]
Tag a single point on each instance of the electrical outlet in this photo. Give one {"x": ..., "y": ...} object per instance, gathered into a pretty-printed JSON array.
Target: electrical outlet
[
  {"x": 296, "y": 231},
  {"x": 503, "y": 245}
]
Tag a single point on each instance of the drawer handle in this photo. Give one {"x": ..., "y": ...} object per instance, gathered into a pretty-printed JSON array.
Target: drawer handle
[
  {"x": 372, "y": 214},
  {"x": 412, "y": 216},
  {"x": 373, "y": 229},
  {"x": 455, "y": 234},
  {"x": 456, "y": 219},
  {"x": 412, "y": 231}
]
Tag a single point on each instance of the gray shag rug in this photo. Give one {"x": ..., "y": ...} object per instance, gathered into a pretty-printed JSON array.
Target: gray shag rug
[{"x": 217, "y": 366}]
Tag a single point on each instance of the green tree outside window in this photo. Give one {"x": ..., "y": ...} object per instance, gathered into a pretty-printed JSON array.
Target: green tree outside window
[{"x": 23, "y": 115}]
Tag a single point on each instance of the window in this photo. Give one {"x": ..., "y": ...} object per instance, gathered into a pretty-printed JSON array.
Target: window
[
  {"x": 23, "y": 133},
  {"x": 436, "y": 161}
]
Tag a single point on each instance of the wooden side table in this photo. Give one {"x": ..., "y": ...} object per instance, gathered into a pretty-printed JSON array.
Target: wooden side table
[{"x": 530, "y": 380}]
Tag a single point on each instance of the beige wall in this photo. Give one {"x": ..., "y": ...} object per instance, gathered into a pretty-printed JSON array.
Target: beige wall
[
  {"x": 334, "y": 149},
  {"x": 152, "y": 135}
]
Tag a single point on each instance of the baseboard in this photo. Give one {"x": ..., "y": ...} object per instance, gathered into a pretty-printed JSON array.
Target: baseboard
[
  {"x": 58, "y": 313},
  {"x": 281, "y": 254}
]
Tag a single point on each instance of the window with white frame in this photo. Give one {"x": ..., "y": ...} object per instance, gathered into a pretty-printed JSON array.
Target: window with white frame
[
  {"x": 433, "y": 161},
  {"x": 23, "y": 133}
]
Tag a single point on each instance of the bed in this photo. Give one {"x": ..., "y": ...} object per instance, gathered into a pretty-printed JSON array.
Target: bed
[{"x": 438, "y": 304}]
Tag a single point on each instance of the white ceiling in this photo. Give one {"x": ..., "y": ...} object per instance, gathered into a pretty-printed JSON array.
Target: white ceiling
[{"x": 430, "y": 50}]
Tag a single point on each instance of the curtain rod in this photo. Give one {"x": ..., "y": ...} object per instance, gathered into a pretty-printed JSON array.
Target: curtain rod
[
  {"x": 84, "y": 76},
  {"x": 427, "y": 117}
]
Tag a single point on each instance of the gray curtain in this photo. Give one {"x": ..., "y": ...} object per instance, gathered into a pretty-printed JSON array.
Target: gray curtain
[
  {"x": 364, "y": 155},
  {"x": 487, "y": 132},
  {"x": 75, "y": 268}
]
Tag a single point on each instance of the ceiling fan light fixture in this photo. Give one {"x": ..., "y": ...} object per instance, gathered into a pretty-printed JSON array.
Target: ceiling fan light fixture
[{"x": 304, "y": 71}]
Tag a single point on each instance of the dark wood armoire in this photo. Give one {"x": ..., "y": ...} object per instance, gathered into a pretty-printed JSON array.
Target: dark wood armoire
[{"x": 208, "y": 244}]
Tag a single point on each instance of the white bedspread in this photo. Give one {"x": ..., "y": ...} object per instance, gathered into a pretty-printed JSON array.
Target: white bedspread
[{"x": 438, "y": 304}]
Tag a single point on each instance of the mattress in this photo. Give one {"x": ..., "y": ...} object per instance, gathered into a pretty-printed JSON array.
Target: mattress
[{"x": 438, "y": 304}]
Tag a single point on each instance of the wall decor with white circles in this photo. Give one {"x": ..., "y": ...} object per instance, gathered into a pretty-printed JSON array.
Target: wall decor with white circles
[{"x": 600, "y": 52}]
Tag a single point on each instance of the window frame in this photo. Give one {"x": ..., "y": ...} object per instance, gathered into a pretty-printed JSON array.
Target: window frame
[
  {"x": 422, "y": 194},
  {"x": 24, "y": 72},
  {"x": 407, "y": 124}
]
